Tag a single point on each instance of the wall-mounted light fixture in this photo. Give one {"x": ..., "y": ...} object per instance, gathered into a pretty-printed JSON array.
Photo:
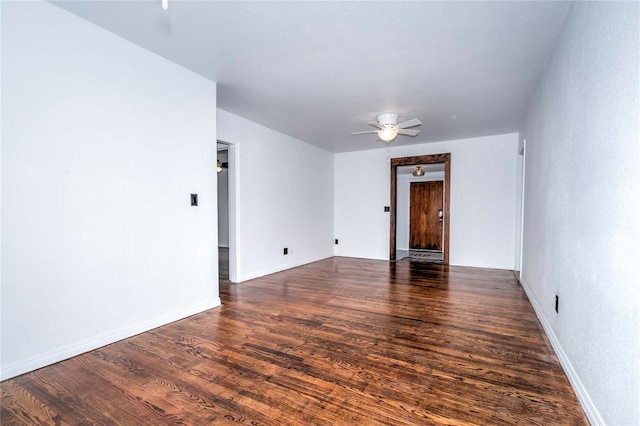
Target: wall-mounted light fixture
[
  {"x": 418, "y": 171},
  {"x": 218, "y": 166}
]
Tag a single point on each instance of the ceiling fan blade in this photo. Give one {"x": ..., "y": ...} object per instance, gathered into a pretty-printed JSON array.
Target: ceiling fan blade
[
  {"x": 410, "y": 123},
  {"x": 374, "y": 124},
  {"x": 362, "y": 133},
  {"x": 408, "y": 132}
]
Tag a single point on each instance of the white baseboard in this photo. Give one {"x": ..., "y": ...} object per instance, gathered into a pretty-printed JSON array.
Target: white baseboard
[
  {"x": 74, "y": 349},
  {"x": 587, "y": 404},
  {"x": 356, "y": 254},
  {"x": 282, "y": 267}
]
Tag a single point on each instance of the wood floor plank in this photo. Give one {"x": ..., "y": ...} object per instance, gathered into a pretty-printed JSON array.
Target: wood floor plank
[
  {"x": 22, "y": 407},
  {"x": 342, "y": 341}
]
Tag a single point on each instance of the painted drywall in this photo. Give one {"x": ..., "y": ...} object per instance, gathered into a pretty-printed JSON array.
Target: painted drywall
[
  {"x": 284, "y": 198},
  {"x": 404, "y": 203},
  {"x": 483, "y": 194},
  {"x": 223, "y": 202},
  {"x": 1, "y": 209},
  {"x": 581, "y": 227},
  {"x": 102, "y": 143}
]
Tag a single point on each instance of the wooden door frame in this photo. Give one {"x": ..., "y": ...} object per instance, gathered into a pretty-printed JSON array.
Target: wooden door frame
[{"x": 414, "y": 161}]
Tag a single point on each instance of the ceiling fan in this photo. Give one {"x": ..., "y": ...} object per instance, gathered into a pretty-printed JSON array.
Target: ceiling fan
[{"x": 389, "y": 129}]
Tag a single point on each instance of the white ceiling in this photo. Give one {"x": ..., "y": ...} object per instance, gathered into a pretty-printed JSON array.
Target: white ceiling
[{"x": 318, "y": 71}]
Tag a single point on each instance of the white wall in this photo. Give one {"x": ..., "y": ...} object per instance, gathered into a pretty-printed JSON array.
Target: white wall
[
  {"x": 1, "y": 174},
  {"x": 223, "y": 202},
  {"x": 582, "y": 209},
  {"x": 284, "y": 198},
  {"x": 403, "y": 205},
  {"x": 102, "y": 143},
  {"x": 361, "y": 192},
  {"x": 482, "y": 211}
]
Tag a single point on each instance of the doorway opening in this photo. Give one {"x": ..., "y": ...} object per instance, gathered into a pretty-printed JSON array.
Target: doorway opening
[
  {"x": 419, "y": 208},
  {"x": 520, "y": 210},
  {"x": 228, "y": 211},
  {"x": 420, "y": 218},
  {"x": 222, "y": 169}
]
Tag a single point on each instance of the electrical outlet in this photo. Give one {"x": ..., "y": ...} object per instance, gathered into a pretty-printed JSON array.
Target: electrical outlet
[
  {"x": 557, "y": 301},
  {"x": 336, "y": 241},
  {"x": 285, "y": 251}
]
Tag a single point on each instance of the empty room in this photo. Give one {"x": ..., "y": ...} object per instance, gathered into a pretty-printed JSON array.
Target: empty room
[{"x": 320, "y": 213}]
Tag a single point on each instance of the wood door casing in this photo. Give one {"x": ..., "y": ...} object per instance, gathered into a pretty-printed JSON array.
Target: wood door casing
[{"x": 425, "y": 225}]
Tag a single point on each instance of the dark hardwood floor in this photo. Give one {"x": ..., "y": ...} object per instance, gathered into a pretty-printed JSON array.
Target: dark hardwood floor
[
  {"x": 223, "y": 263},
  {"x": 340, "y": 341}
]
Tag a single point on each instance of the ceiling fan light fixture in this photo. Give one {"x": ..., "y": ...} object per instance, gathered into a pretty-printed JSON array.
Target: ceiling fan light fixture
[
  {"x": 388, "y": 127},
  {"x": 418, "y": 171},
  {"x": 388, "y": 132}
]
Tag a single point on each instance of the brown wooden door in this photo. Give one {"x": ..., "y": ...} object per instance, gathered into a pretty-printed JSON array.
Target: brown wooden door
[{"x": 425, "y": 225}]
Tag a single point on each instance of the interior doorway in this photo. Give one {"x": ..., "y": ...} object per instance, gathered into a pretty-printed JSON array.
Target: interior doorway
[
  {"x": 222, "y": 169},
  {"x": 420, "y": 188},
  {"x": 232, "y": 171}
]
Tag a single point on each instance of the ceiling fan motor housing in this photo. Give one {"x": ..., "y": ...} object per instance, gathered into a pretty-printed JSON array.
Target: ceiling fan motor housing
[{"x": 387, "y": 118}]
